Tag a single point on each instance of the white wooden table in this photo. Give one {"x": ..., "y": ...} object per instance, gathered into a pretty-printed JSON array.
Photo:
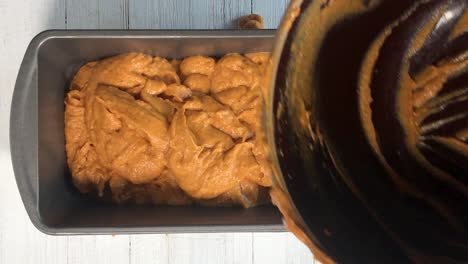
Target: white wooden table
[{"x": 20, "y": 242}]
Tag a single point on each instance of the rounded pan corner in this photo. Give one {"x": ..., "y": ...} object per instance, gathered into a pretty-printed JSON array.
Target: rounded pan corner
[
  {"x": 42, "y": 37},
  {"x": 43, "y": 228}
]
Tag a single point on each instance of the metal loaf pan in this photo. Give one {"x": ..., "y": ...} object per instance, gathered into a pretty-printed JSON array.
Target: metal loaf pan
[{"x": 38, "y": 143}]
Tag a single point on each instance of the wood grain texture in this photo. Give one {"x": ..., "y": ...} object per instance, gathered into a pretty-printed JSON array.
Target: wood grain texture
[
  {"x": 271, "y": 10},
  {"x": 229, "y": 248},
  {"x": 112, "y": 249},
  {"x": 96, "y": 14},
  {"x": 81, "y": 249},
  {"x": 239, "y": 248},
  {"x": 183, "y": 248},
  {"x": 279, "y": 248},
  {"x": 297, "y": 252},
  {"x": 20, "y": 241},
  {"x": 149, "y": 249},
  {"x": 98, "y": 249},
  {"x": 269, "y": 248},
  {"x": 186, "y": 14},
  {"x": 20, "y": 21}
]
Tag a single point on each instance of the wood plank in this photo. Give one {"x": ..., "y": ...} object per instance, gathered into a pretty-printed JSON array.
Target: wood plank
[
  {"x": 196, "y": 248},
  {"x": 233, "y": 10},
  {"x": 271, "y": 10},
  {"x": 21, "y": 21},
  {"x": 56, "y": 249},
  {"x": 148, "y": 249},
  {"x": 20, "y": 241},
  {"x": 17, "y": 232},
  {"x": 159, "y": 14},
  {"x": 239, "y": 248},
  {"x": 269, "y": 248},
  {"x": 97, "y": 14},
  {"x": 113, "y": 249},
  {"x": 82, "y": 249},
  {"x": 210, "y": 248},
  {"x": 186, "y": 14},
  {"x": 296, "y": 251},
  {"x": 280, "y": 248},
  {"x": 102, "y": 249}
]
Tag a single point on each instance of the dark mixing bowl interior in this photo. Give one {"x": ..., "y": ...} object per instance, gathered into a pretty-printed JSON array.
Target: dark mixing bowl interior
[{"x": 352, "y": 209}]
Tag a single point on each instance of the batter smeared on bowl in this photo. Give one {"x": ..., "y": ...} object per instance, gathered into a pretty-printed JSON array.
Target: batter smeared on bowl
[
  {"x": 414, "y": 99},
  {"x": 369, "y": 128},
  {"x": 151, "y": 130}
]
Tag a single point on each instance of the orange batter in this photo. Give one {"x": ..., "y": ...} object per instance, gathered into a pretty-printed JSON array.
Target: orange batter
[{"x": 152, "y": 130}]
